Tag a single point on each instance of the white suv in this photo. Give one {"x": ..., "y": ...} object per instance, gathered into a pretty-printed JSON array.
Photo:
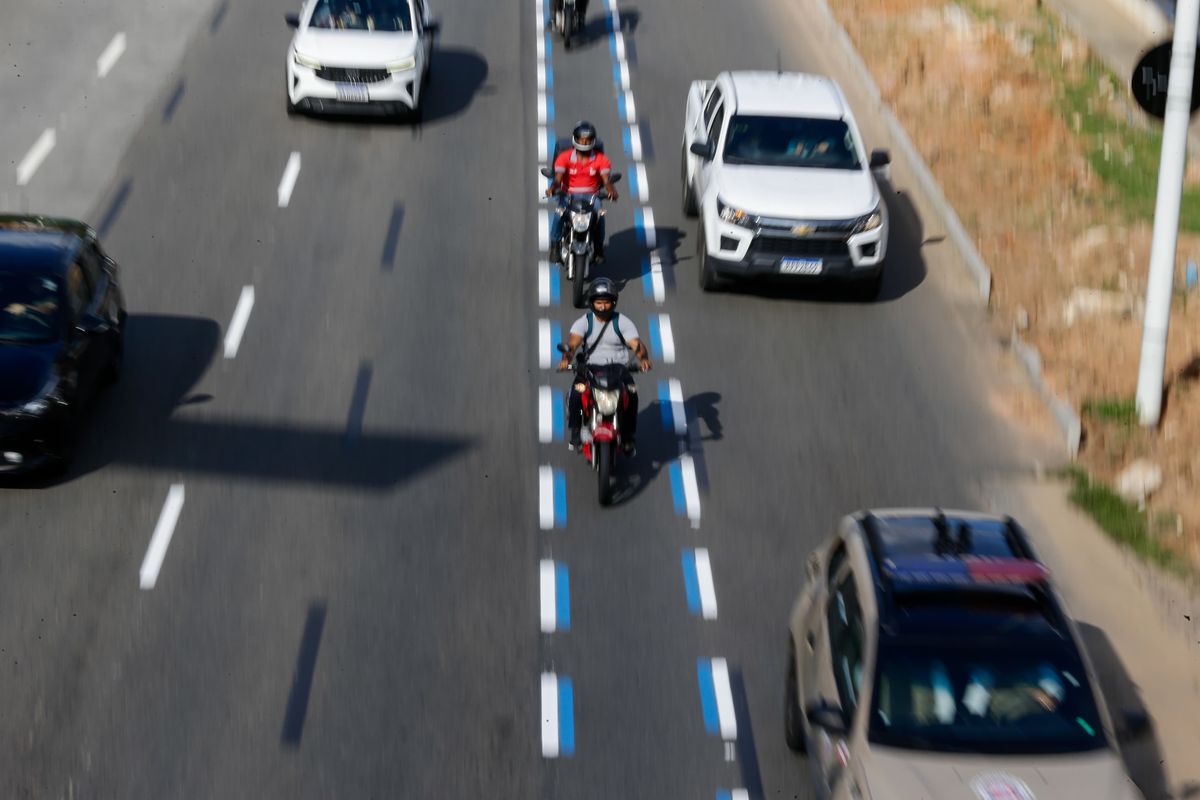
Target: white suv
[{"x": 774, "y": 164}]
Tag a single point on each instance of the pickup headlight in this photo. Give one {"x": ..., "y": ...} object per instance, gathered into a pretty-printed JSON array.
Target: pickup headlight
[
  {"x": 305, "y": 61},
  {"x": 735, "y": 216},
  {"x": 402, "y": 65},
  {"x": 869, "y": 222}
]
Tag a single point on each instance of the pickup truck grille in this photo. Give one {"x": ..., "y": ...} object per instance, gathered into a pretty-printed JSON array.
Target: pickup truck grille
[
  {"x": 352, "y": 75},
  {"x": 781, "y": 247}
]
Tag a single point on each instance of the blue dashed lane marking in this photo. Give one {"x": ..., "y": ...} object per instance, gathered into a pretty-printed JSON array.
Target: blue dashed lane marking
[
  {"x": 664, "y": 406},
  {"x": 677, "y": 495},
  {"x": 647, "y": 279},
  {"x": 562, "y": 597},
  {"x": 655, "y": 338},
  {"x": 708, "y": 695},
  {"x": 557, "y": 414},
  {"x": 566, "y": 716},
  {"x": 560, "y": 499},
  {"x": 555, "y": 338},
  {"x": 691, "y": 581}
]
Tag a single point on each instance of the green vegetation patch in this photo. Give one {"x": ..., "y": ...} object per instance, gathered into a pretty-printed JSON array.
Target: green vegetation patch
[{"x": 1120, "y": 411}]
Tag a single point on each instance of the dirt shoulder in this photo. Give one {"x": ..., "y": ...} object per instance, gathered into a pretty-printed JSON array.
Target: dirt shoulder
[{"x": 1053, "y": 170}]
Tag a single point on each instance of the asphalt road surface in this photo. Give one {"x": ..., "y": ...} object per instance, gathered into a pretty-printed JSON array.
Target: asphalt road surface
[{"x": 351, "y": 601}]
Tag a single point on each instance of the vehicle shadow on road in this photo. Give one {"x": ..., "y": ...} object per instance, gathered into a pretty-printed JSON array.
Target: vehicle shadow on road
[
  {"x": 457, "y": 77},
  {"x": 904, "y": 270},
  {"x": 595, "y": 28},
  {"x": 627, "y": 259},
  {"x": 659, "y": 445},
  {"x": 1142, "y": 755},
  {"x": 149, "y": 421}
]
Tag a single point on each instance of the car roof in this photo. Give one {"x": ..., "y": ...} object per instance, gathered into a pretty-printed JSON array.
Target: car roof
[
  {"x": 791, "y": 93},
  {"x": 38, "y": 244}
]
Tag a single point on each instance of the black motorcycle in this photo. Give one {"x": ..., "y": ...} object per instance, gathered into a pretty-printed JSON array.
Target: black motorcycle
[
  {"x": 568, "y": 20},
  {"x": 576, "y": 245}
]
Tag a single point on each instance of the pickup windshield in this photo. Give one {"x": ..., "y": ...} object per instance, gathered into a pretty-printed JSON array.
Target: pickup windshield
[
  {"x": 384, "y": 16},
  {"x": 791, "y": 142}
]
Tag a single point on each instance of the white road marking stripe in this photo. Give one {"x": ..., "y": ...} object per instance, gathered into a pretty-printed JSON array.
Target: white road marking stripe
[
  {"x": 643, "y": 184},
  {"x": 675, "y": 392},
  {"x": 161, "y": 539},
  {"x": 543, "y": 230},
  {"x": 290, "y": 173},
  {"x": 541, "y": 76},
  {"x": 549, "y": 598},
  {"x": 237, "y": 326},
  {"x": 668, "y": 338},
  {"x": 704, "y": 579},
  {"x": 720, "y": 673},
  {"x": 36, "y": 155},
  {"x": 544, "y": 353},
  {"x": 691, "y": 489},
  {"x": 619, "y": 46},
  {"x": 545, "y": 415},
  {"x": 549, "y": 715},
  {"x": 648, "y": 228},
  {"x": 541, "y": 108},
  {"x": 739, "y": 794},
  {"x": 546, "y": 497},
  {"x": 635, "y": 144},
  {"x": 541, "y": 43},
  {"x": 543, "y": 283},
  {"x": 624, "y": 71},
  {"x": 108, "y": 59},
  {"x": 543, "y": 145},
  {"x": 656, "y": 279},
  {"x": 630, "y": 108}
]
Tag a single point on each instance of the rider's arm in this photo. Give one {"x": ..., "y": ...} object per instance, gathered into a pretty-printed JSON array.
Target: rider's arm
[
  {"x": 639, "y": 350},
  {"x": 605, "y": 172},
  {"x": 573, "y": 342}
]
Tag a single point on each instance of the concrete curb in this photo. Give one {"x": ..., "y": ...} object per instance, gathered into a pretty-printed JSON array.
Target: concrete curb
[
  {"x": 1154, "y": 16},
  {"x": 1064, "y": 416}
]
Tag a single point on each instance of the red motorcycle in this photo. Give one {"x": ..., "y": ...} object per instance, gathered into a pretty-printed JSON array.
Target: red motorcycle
[{"x": 602, "y": 394}]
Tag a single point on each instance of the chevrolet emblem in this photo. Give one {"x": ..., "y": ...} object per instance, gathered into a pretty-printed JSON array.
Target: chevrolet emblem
[{"x": 802, "y": 230}]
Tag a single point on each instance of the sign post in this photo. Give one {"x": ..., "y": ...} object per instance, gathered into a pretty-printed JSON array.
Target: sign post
[{"x": 1177, "y": 108}]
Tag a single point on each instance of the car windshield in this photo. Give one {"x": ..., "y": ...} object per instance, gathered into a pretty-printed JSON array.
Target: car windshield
[
  {"x": 29, "y": 312},
  {"x": 791, "y": 142},
  {"x": 388, "y": 16},
  {"x": 995, "y": 699}
]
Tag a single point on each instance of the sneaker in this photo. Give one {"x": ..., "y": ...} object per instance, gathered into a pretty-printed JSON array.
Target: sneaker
[
  {"x": 599, "y": 259},
  {"x": 629, "y": 448},
  {"x": 576, "y": 441},
  {"x": 555, "y": 254}
]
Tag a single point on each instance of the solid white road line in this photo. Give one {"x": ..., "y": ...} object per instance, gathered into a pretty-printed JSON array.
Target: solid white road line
[
  {"x": 630, "y": 108},
  {"x": 290, "y": 173},
  {"x": 546, "y": 497},
  {"x": 624, "y": 72},
  {"x": 635, "y": 144},
  {"x": 648, "y": 229},
  {"x": 544, "y": 354},
  {"x": 619, "y": 46},
  {"x": 541, "y": 44},
  {"x": 541, "y": 76},
  {"x": 543, "y": 145},
  {"x": 739, "y": 794},
  {"x": 678, "y": 413},
  {"x": 704, "y": 581},
  {"x": 643, "y": 183},
  {"x": 36, "y": 155},
  {"x": 725, "y": 713},
  {"x": 545, "y": 415},
  {"x": 691, "y": 488},
  {"x": 549, "y": 715},
  {"x": 668, "y": 338},
  {"x": 543, "y": 230},
  {"x": 541, "y": 105},
  {"x": 237, "y": 326},
  {"x": 549, "y": 596},
  {"x": 543, "y": 283},
  {"x": 656, "y": 279},
  {"x": 108, "y": 59},
  {"x": 161, "y": 539}
]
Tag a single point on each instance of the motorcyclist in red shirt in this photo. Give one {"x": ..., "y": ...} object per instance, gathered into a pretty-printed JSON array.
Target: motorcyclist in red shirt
[{"x": 582, "y": 172}]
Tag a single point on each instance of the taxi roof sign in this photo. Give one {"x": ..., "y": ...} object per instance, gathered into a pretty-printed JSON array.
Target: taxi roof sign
[{"x": 925, "y": 571}]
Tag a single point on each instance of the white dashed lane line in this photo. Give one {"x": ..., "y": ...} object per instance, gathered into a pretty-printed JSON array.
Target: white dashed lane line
[
  {"x": 161, "y": 540},
  {"x": 237, "y": 326},
  {"x": 108, "y": 59},
  {"x": 291, "y": 172},
  {"x": 36, "y": 155}
]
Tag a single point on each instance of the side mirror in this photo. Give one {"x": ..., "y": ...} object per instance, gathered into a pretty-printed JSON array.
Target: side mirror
[
  {"x": 1134, "y": 723},
  {"x": 293, "y": 19},
  {"x": 433, "y": 25},
  {"x": 880, "y": 159},
  {"x": 829, "y": 717},
  {"x": 546, "y": 172},
  {"x": 705, "y": 150},
  {"x": 562, "y": 348},
  {"x": 613, "y": 177}
]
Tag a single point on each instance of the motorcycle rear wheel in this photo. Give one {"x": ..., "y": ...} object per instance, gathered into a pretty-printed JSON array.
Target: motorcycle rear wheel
[{"x": 604, "y": 465}]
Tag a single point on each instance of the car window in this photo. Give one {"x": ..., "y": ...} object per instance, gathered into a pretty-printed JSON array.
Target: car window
[
  {"x": 29, "y": 308},
  {"x": 791, "y": 142},
  {"x": 385, "y": 16},
  {"x": 711, "y": 105},
  {"x": 79, "y": 290},
  {"x": 847, "y": 634},
  {"x": 714, "y": 127},
  {"x": 1020, "y": 695},
  {"x": 835, "y": 563}
]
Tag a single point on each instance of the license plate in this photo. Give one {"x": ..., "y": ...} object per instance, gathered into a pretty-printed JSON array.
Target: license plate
[
  {"x": 351, "y": 93},
  {"x": 800, "y": 266}
]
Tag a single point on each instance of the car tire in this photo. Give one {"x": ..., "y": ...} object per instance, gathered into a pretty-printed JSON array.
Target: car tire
[
  {"x": 709, "y": 280},
  {"x": 689, "y": 194},
  {"x": 292, "y": 110},
  {"x": 793, "y": 723},
  {"x": 116, "y": 362}
]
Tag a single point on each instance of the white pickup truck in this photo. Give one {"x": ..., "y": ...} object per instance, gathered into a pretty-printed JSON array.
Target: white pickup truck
[{"x": 773, "y": 164}]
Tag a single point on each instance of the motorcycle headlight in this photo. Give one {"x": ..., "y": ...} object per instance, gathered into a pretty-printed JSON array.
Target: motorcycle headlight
[
  {"x": 581, "y": 222},
  {"x": 402, "y": 65},
  {"x": 735, "y": 216},
  {"x": 869, "y": 222},
  {"x": 46, "y": 397},
  {"x": 606, "y": 400},
  {"x": 305, "y": 61}
]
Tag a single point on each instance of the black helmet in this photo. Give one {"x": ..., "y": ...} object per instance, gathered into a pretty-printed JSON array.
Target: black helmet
[
  {"x": 602, "y": 288},
  {"x": 584, "y": 130}
]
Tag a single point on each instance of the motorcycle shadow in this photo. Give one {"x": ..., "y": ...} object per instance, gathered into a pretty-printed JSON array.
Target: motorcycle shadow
[{"x": 657, "y": 446}]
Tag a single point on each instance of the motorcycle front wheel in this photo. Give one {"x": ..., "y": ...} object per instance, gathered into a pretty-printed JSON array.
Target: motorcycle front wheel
[{"x": 604, "y": 465}]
